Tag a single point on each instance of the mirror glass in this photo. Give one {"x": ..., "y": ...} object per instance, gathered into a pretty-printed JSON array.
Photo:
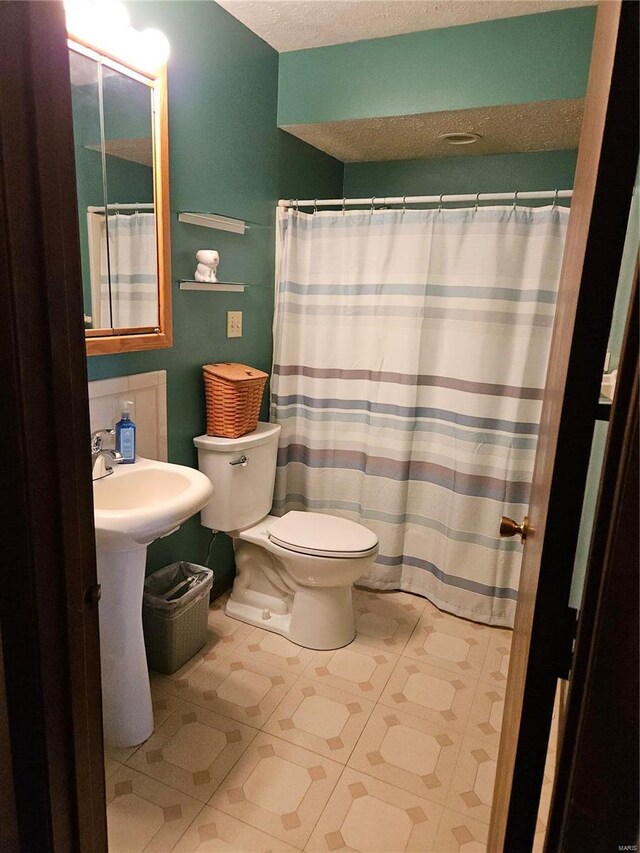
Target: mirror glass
[
  {"x": 87, "y": 135},
  {"x": 131, "y": 223},
  {"x": 114, "y": 152}
]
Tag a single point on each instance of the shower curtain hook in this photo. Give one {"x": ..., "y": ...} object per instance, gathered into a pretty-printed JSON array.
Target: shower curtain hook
[
  {"x": 315, "y": 205},
  {"x": 555, "y": 200},
  {"x": 404, "y": 202},
  {"x": 440, "y": 202},
  {"x": 475, "y": 209},
  {"x": 373, "y": 199},
  {"x": 515, "y": 200},
  {"x": 344, "y": 204}
]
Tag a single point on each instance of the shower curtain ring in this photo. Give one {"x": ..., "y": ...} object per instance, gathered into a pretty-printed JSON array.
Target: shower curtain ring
[
  {"x": 344, "y": 204},
  {"x": 555, "y": 200},
  {"x": 404, "y": 202},
  {"x": 515, "y": 200},
  {"x": 475, "y": 209},
  {"x": 373, "y": 198},
  {"x": 440, "y": 202},
  {"x": 315, "y": 205}
]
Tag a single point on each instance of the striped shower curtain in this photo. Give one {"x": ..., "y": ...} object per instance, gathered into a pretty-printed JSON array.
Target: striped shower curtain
[
  {"x": 410, "y": 353},
  {"x": 126, "y": 281}
]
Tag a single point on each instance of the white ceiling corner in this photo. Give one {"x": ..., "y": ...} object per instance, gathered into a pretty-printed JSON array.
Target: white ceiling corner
[{"x": 297, "y": 24}]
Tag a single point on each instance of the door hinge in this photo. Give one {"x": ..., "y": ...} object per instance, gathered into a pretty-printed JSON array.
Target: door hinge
[{"x": 567, "y": 643}]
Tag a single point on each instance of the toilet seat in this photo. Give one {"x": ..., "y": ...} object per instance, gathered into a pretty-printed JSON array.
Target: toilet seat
[{"x": 322, "y": 535}]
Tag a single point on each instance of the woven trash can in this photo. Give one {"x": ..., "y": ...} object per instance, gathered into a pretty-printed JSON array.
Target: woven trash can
[
  {"x": 233, "y": 398},
  {"x": 175, "y": 607}
]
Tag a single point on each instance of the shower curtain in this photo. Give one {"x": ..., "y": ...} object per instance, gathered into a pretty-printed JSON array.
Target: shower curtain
[
  {"x": 410, "y": 353},
  {"x": 129, "y": 297}
]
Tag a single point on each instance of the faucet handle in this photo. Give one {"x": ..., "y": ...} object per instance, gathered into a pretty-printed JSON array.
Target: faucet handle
[{"x": 96, "y": 438}]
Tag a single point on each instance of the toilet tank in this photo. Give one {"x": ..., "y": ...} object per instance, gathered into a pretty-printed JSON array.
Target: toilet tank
[{"x": 242, "y": 490}]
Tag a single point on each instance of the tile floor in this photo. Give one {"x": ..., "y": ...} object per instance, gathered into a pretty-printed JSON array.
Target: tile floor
[{"x": 386, "y": 746}]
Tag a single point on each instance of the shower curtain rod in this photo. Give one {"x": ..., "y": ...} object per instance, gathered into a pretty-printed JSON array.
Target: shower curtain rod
[
  {"x": 142, "y": 206},
  {"x": 424, "y": 199}
]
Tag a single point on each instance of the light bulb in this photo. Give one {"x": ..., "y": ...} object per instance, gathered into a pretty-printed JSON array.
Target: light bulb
[
  {"x": 154, "y": 49},
  {"x": 105, "y": 25}
]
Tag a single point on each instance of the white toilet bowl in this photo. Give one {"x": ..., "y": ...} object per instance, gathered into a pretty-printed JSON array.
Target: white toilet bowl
[{"x": 295, "y": 573}]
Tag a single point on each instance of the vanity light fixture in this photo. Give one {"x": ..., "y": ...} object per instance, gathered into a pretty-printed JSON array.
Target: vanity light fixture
[
  {"x": 460, "y": 138},
  {"x": 105, "y": 25}
]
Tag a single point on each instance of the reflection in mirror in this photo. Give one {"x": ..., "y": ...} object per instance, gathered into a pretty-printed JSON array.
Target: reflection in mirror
[
  {"x": 87, "y": 133},
  {"x": 131, "y": 223}
]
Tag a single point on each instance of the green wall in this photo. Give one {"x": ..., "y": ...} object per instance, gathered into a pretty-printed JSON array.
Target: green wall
[
  {"x": 508, "y": 61},
  {"x": 490, "y": 173},
  {"x": 227, "y": 156}
]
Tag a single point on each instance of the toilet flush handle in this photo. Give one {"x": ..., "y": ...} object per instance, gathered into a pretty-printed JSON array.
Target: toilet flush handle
[{"x": 242, "y": 460}]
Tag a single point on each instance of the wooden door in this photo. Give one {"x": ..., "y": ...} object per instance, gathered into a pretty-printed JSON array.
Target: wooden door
[
  {"x": 607, "y": 161},
  {"x": 596, "y": 792},
  {"x": 51, "y": 761}
]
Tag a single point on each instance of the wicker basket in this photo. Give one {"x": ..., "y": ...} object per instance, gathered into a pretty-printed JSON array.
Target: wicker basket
[{"x": 233, "y": 395}]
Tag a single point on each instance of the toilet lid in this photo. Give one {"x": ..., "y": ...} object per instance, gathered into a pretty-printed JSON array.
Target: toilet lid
[{"x": 322, "y": 535}]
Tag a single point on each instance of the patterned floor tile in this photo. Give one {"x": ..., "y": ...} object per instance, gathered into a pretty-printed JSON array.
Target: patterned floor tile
[
  {"x": 164, "y": 703},
  {"x": 538, "y": 841},
  {"x": 496, "y": 663},
  {"x": 358, "y": 668},
  {"x": 449, "y": 642},
  {"x": 407, "y": 600},
  {"x": 119, "y": 754},
  {"x": 236, "y": 687},
  {"x": 143, "y": 814},
  {"x": 214, "y": 831},
  {"x": 223, "y": 632},
  {"x": 385, "y": 620},
  {"x": 431, "y": 693},
  {"x": 460, "y": 834},
  {"x": 471, "y": 789},
  {"x": 485, "y": 719},
  {"x": 407, "y": 752},
  {"x": 110, "y": 765},
  {"x": 279, "y": 788},
  {"x": 370, "y": 816},
  {"x": 193, "y": 750},
  {"x": 274, "y": 650},
  {"x": 321, "y": 718}
]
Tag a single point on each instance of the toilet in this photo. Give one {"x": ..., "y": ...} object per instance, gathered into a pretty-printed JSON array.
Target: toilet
[{"x": 293, "y": 574}]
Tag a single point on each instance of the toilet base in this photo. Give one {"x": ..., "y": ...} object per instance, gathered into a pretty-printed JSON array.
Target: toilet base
[{"x": 314, "y": 617}]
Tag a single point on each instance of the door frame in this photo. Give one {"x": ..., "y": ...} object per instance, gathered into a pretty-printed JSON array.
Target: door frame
[
  {"x": 51, "y": 759},
  {"x": 605, "y": 172},
  {"x": 598, "y": 760}
]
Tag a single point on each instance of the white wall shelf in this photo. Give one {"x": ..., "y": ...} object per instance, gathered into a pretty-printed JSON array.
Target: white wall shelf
[
  {"x": 215, "y": 287},
  {"x": 214, "y": 220}
]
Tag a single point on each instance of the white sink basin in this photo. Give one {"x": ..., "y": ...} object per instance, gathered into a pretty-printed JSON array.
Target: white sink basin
[
  {"x": 133, "y": 506},
  {"x": 144, "y": 501}
]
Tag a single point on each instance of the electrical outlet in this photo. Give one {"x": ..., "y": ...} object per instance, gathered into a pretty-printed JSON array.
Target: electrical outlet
[{"x": 234, "y": 324}]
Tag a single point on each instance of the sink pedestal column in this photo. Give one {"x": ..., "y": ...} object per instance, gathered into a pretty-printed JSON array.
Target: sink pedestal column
[{"x": 126, "y": 693}]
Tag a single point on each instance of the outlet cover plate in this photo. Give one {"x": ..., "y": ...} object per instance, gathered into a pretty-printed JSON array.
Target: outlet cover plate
[{"x": 234, "y": 324}]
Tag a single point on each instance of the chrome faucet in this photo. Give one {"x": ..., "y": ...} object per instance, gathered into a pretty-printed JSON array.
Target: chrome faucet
[{"x": 103, "y": 458}]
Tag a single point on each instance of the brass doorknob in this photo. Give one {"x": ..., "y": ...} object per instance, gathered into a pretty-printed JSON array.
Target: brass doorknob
[{"x": 509, "y": 527}]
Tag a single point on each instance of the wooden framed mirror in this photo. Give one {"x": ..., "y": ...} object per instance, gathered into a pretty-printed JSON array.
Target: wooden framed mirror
[{"x": 121, "y": 150}]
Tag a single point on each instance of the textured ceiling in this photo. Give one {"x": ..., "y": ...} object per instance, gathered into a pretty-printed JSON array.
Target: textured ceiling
[
  {"x": 296, "y": 24},
  {"x": 542, "y": 126}
]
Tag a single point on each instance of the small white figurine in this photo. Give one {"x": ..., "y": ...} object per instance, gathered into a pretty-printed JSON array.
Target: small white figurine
[{"x": 208, "y": 260}]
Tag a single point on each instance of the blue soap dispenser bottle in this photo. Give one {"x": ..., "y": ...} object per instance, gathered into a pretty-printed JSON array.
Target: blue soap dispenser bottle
[{"x": 126, "y": 434}]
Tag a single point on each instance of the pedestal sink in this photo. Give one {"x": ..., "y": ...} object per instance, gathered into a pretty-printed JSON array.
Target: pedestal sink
[{"x": 133, "y": 506}]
